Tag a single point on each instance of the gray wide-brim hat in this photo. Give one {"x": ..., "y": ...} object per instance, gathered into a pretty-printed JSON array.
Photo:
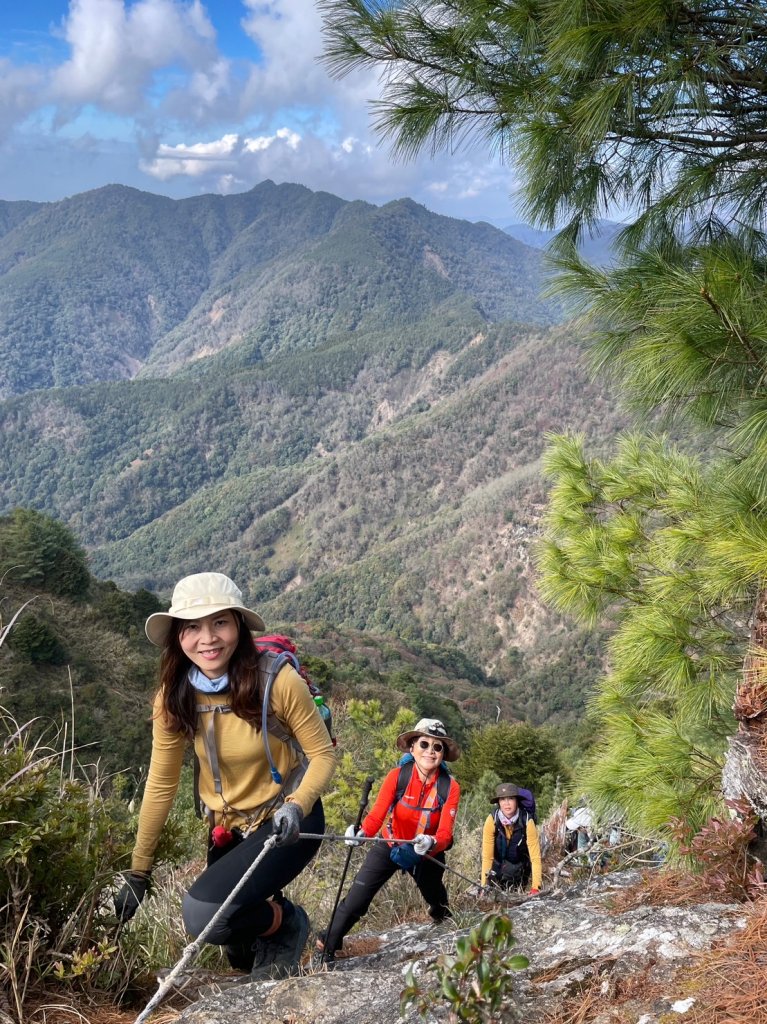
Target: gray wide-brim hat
[
  {"x": 194, "y": 597},
  {"x": 505, "y": 791},
  {"x": 433, "y": 729}
]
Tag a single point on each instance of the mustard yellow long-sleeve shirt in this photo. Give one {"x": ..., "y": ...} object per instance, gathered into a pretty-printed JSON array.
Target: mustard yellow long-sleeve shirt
[
  {"x": 533, "y": 848},
  {"x": 243, "y": 766}
]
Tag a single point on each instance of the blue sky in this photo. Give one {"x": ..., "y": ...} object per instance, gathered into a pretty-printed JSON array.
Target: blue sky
[{"x": 182, "y": 97}]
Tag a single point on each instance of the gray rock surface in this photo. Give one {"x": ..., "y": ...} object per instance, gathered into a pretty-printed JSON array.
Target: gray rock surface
[{"x": 572, "y": 940}]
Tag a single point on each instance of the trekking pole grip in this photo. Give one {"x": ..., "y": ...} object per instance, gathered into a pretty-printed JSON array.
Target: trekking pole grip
[{"x": 364, "y": 798}]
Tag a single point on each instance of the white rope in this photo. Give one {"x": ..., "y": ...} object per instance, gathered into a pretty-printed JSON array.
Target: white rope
[
  {"x": 194, "y": 947},
  {"x": 356, "y": 840}
]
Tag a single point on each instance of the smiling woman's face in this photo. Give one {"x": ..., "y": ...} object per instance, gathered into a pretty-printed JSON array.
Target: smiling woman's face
[
  {"x": 428, "y": 753},
  {"x": 210, "y": 642}
]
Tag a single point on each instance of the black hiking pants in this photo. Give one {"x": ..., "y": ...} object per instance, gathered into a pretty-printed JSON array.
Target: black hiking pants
[
  {"x": 511, "y": 874},
  {"x": 375, "y": 872},
  {"x": 249, "y": 914}
]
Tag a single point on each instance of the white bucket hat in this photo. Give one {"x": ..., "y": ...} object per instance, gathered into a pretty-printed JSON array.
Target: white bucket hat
[
  {"x": 194, "y": 597},
  {"x": 434, "y": 729}
]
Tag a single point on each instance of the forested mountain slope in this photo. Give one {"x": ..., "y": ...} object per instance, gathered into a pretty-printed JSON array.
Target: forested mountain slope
[
  {"x": 116, "y": 282},
  {"x": 341, "y": 405}
]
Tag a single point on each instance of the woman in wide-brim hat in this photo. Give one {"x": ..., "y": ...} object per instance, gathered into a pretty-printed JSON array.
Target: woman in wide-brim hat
[
  {"x": 431, "y": 727},
  {"x": 415, "y": 813},
  {"x": 210, "y": 694},
  {"x": 511, "y": 849}
]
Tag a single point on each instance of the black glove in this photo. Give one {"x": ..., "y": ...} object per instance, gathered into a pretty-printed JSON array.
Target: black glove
[
  {"x": 286, "y": 824},
  {"x": 133, "y": 891}
]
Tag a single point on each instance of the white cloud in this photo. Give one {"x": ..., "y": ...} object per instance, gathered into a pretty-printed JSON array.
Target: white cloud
[
  {"x": 20, "y": 93},
  {"x": 195, "y": 160},
  {"x": 116, "y": 51},
  {"x": 261, "y": 142},
  {"x": 288, "y": 34},
  {"x": 184, "y": 113}
]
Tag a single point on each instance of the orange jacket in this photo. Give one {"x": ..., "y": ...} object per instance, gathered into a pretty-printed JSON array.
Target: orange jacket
[{"x": 404, "y": 820}]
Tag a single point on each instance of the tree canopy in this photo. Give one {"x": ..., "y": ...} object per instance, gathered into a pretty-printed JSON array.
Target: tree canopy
[
  {"x": 657, "y": 107},
  {"x": 658, "y": 112}
]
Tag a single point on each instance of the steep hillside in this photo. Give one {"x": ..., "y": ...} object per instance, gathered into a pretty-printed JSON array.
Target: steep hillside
[
  {"x": 82, "y": 663},
  {"x": 392, "y": 488},
  {"x": 344, "y": 406},
  {"x": 115, "y": 282}
]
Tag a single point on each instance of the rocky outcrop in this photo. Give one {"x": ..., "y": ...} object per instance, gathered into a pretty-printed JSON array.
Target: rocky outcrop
[{"x": 574, "y": 941}]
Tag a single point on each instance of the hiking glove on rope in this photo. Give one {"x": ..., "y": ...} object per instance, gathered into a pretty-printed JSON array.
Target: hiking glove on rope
[
  {"x": 423, "y": 844},
  {"x": 350, "y": 834},
  {"x": 134, "y": 889},
  {"x": 286, "y": 824}
]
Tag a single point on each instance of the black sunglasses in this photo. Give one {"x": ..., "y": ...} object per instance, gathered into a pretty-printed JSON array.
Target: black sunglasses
[{"x": 426, "y": 745}]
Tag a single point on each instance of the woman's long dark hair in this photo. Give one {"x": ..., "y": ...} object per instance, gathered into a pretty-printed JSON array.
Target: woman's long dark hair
[{"x": 179, "y": 697}]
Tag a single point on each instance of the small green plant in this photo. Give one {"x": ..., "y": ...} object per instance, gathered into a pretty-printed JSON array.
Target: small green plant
[{"x": 474, "y": 980}]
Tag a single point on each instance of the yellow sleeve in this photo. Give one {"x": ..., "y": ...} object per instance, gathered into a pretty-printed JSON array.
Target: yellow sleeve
[
  {"x": 488, "y": 848},
  {"x": 534, "y": 849},
  {"x": 160, "y": 790},
  {"x": 294, "y": 705}
]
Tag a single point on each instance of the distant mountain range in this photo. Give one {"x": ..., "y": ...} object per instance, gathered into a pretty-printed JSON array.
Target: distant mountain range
[
  {"x": 117, "y": 283},
  {"x": 596, "y": 248},
  {"x": 341, "y": 405}
]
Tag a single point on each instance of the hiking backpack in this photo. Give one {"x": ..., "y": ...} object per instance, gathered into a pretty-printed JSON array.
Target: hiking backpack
[
  {"x": 526, "y": 802},
  {"x": 275, "y": 651},
  {"x": 283, "y": 650}
]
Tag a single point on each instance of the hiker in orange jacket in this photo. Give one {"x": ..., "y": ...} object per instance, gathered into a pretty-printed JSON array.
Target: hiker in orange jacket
[{"x": 422, "y": 813}]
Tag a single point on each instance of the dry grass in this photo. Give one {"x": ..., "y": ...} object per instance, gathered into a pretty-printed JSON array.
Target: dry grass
[
  {"x": 48, "y": 1011},
  {"x": 610, "y": 998},
  {"x": 668, "y": 887},
  {"x": 730, "y": 981}
]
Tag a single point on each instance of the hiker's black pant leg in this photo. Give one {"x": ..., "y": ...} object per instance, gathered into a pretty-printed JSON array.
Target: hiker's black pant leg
[
  {"x": 429, "y": 878},
  {"x": 249, "y": 914},
  {"x": 375, "y": 872}
]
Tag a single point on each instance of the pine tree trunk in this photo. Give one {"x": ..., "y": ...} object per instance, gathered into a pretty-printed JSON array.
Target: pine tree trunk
[{"x": 745, "y": 768}]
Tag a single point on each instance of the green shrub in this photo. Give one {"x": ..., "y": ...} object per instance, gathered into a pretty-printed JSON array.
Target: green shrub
[
  {"x": 34, "y": 639},
  {"x": 42, "y": 551},
  {"x": 475, "y": 980},
  {"x": 520, "y": 753},
  {"x": 65, "y": 837}
]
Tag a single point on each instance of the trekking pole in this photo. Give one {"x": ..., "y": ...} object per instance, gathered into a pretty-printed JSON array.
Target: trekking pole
[
  {"x": 363, "y": 804},
  {"x": 439, "y": 864},
  {"x": 499, "y": 895},
  {"x": 194, "y": 947}
]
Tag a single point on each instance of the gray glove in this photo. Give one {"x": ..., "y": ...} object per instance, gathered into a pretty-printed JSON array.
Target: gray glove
[
  {"x": 423, "y": 844},
  {"x": 286, "y": 824},
  {"x": 128, "y": 899}
]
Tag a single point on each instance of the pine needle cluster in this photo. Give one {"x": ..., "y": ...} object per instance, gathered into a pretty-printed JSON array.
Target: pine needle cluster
[{"x": 671, "y": 551}]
